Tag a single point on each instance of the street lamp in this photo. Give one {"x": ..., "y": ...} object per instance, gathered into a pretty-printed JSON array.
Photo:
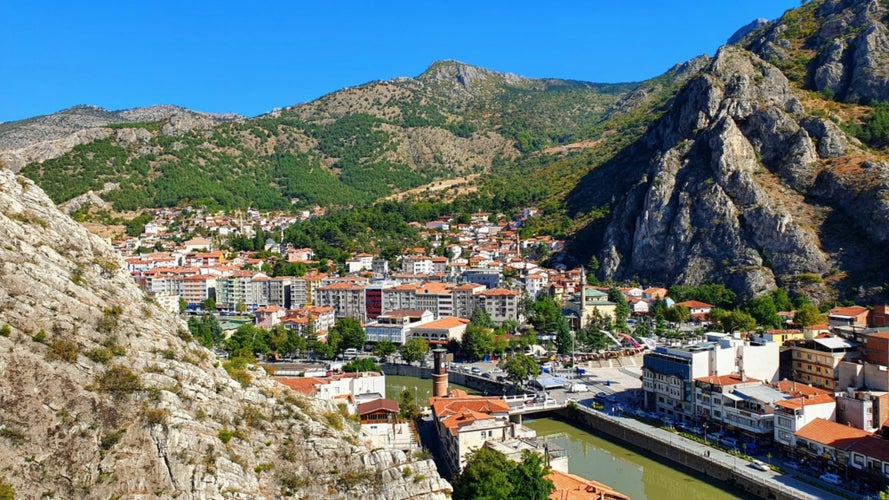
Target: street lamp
[{"x": 704, "y": 426}]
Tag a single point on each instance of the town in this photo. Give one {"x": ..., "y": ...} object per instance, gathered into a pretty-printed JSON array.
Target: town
[{"x": 811, "y": 395}]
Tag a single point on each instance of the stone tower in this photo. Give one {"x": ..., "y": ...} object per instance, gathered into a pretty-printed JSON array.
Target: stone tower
[{"x": 439, "y": 374}]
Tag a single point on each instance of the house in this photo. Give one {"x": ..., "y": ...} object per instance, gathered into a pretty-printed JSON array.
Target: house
[
  {"x": 871, "y": 454},
  {"x": 463, "y": 424},
  {"x": 826, "y": 443},
  {"x": 854, "y": 316},
  {"x": 700, "y": 311},
  {"x": 378, "y": 411},
  {"x": 803, "y": 405},
  {"x": 395, "y": 325}
]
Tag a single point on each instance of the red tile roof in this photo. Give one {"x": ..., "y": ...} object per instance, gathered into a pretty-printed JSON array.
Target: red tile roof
[
  {"x": 376, "y": 405},
  {"x": 826, "y": 432}
]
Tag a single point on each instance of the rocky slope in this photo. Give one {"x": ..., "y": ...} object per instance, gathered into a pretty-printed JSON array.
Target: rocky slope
[
  {"x": 50, "y": 136},
  {"x": 104, "y": 394},
  {"x": 739, "y": 186}
]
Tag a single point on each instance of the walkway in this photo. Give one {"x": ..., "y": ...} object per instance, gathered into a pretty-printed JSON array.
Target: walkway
[{"x": 785, "y": 483}]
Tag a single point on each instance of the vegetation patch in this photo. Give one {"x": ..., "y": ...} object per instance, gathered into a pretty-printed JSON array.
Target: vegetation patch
[{"x": 119, "y": 381}]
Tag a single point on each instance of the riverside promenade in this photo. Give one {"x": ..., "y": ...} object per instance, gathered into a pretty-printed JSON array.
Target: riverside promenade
[{"x": 699, "y": 457}]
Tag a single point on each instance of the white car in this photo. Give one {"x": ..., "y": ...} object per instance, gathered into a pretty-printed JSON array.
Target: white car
[{"x": 759, "y": 464}]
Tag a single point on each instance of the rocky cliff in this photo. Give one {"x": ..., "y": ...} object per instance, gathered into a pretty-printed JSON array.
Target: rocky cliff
[
  {"x": 740, "y": 185},
  {"x": 105, "y": 395}
]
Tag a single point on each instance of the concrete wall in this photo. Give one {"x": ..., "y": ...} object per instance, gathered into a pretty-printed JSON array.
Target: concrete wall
[
  {"x": 406, "y": 370},
  {"x": 689, "y": 456}
]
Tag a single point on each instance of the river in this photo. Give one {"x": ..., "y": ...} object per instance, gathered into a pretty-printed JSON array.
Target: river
[{"x": 591, "y": 456}]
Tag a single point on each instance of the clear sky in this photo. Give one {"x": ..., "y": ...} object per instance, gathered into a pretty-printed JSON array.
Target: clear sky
[{"x": 251, "y": 57}]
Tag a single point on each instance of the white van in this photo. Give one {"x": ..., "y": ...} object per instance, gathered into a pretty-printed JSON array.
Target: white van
[{"x": 350, "y": 353}]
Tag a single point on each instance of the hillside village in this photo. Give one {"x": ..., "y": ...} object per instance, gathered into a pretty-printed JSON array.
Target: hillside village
[{"x": 818, "y": 395}]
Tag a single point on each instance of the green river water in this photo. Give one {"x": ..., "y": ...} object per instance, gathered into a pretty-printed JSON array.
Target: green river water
[{"x": 641, "y": 476}]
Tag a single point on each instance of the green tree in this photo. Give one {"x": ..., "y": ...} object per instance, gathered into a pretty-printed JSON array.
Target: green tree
[
  {"x": 678, "y": 314},
  {"x": 519, "y": 368},
  {"x": 294, "y": 343},
  {"x": 480, "y": 317},
  {"x": 7, "y": 492},
  {"x": 209, "y": 304},
  {"x": 782, "y": 301},
  {"x": 808, "y": 315},
  {"x": 351, "y": 333},
  {"x": 361, "y": 365},
  {"x": 384, "y": 348},
  {"x": 408, "y": 406},
  {"x": 622, "y": 311},
  {"x": 487, "y": 475},
  {"x": 545, "y": 315},
  {"x": 764, "y": 311},
  {"x": 477, "y": 341},
  {"x": 529, "y": 477},
  {"x": 564, "y": 339},
  {"x": 414, "y": 350}
]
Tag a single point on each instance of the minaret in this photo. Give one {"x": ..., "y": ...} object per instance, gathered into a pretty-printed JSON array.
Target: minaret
[
  {"x": 582, "y": 298},
  {"x": 439, "y": 374}
]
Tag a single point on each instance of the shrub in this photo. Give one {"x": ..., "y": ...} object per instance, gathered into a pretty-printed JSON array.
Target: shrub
[
  {"x": 5, "y": 331},
  {"x": 7, "y": 492},
  {"x": 40, "y": 336},
  {"x": 225, "y": 435},
  {"x": 99, "y": 354},
  {"x": 66, "y": 350},
  {"x": 119, "y": 381},
  {"x": 155, "y": 416},
  {"x": 110, "y": 439}
]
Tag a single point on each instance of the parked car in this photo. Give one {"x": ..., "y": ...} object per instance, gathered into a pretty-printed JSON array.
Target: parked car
[
  {"x": 759, "y": 464},
  {"x": 830, "y": 477},
  {"x": 476, "y": 370},
  {"x": 486, "y": 374},
  {"x": 600, "y": 397}
]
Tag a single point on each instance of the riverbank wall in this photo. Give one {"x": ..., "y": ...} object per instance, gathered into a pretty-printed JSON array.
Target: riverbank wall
[{"x": 695, "y": 456}]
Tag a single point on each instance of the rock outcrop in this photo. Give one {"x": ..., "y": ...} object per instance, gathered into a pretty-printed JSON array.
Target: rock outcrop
[
  {"x": 705, "y": 212},
  {"x": 45, "y": 137},
  {"x": 105, "y": 395},
  {"x": 850, "y": 40}
]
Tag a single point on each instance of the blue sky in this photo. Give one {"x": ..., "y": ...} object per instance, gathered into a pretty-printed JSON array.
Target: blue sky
[{"x": 251, "y": 57}]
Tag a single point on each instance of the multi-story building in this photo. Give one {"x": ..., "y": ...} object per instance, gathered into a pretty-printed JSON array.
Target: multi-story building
[
  {"x": 802, "y": 405},
  {"x": 535, "y": 283},
  {"x": 395, "y": 326},
  {"x": 417, "y": 264},
  {"x": 437, "y": 298},
  {"x": 346, "y": 299},
  {"x": 500, "y": 304},
  {"x": 464, "y": 423},
  {"x": 668, "y": 373},
  {"x": 464, "y": 298},
  {"x": 400, "y": 297},
  {"x": 198, "y": 288},
  {"x": 234, "y": 292},
  {"x": 815, "y": 361}
]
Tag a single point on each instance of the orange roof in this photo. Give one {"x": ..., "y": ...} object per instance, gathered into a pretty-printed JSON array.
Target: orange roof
[
  {"x": 445, "y": 322},
  {"x": 465, "y": 416},
  {"x": 872, "y": 446},
  {"x": 378, "y": 404},
  {"x": 572, "y": 487},
  {"x": 456, "y": 402},
  {"x": 302, "y": 385},
  {"x": 798, "y": 402},
  {"x": 832, "y": 434},
  {"x": 724, "y": 380},
  {"x": 798, "y": 389},
  {"x": 848, "y": 311},
  {"x": 694, "y": 304}
]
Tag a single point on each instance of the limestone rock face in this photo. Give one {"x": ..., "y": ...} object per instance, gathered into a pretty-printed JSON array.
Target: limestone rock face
[
  {"x": 706, "y": 214},
  {"x": 104, "y": 394}
]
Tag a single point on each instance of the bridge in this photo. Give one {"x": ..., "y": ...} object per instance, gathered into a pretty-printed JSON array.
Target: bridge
[{"x": 525, "y": 404}]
